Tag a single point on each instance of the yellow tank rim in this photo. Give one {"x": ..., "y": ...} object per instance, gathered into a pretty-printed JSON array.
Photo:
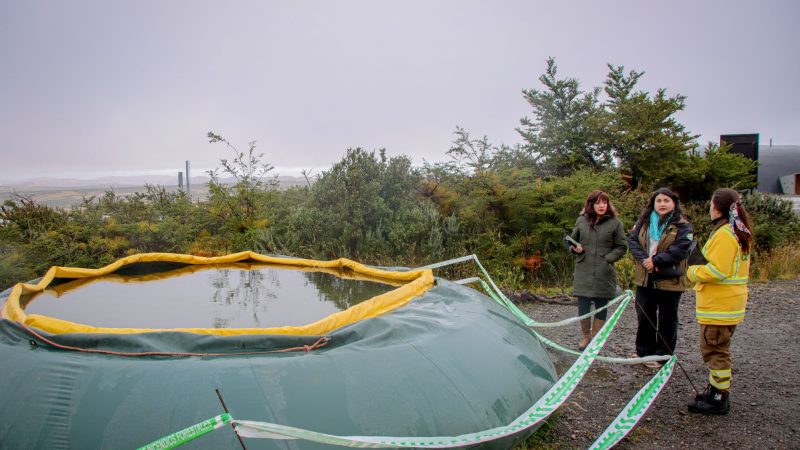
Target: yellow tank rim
[{"x": 414, "y": 283}]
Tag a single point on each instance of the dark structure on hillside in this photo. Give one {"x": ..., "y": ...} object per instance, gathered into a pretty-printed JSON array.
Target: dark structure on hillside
[
  {"x": 743, "y": 144},
  {"x": 778, "y": 165},
  {"x": 779, "y": 169}
]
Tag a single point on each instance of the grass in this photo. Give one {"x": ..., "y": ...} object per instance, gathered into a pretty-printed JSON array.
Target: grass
[
  {"x": 781, "y": 264},
  {"x": 546, "y": 437}
]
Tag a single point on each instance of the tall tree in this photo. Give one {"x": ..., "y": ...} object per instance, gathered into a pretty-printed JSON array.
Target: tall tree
[
  {"x": 642, "y": 131},
  {"x": 565, "y": 126}
]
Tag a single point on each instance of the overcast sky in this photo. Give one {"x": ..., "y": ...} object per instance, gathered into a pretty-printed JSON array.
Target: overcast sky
[{"x": 92, "y": 88}]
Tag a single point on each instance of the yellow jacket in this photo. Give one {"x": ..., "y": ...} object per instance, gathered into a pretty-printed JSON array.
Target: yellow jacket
[{"x": 721, "y": 284}]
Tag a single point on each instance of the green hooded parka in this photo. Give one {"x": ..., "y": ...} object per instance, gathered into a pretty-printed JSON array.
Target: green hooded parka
[{"x": 603, "y": 244}]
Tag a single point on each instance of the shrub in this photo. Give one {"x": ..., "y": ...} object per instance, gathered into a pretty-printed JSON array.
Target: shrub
[
  {"x": 715, "y": 167},
  {"x": 781, "y": 263},
  {"x": 625, "y": 273},
  {"x": 773, "y": 219},
  {"x": 544, "y": 210}
]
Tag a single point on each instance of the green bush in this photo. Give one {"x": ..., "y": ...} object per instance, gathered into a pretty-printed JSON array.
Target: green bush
[
  {"x": 542, "y": 212},
  {"x": 369, "y": 207},
  {"x": 716, "y": 167},
  {"x": 774, "y": 221}
]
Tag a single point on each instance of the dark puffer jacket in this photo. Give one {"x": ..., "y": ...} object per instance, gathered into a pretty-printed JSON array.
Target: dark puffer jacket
[
  {"x": 670, "y": 257},
  {"x": 603, "y": 244}
]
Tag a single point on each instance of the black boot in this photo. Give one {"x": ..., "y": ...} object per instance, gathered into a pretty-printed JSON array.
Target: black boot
[{"x": 712, "y": 401}]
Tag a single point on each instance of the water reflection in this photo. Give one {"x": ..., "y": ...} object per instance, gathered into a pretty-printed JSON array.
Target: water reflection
[
  {"x": 342, "y": 292},
  {"x": 243, "y": 296},
  {"x": 234, "y": 295}
]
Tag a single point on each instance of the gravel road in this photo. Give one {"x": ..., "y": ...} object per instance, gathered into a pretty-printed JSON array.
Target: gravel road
[{"x": 765, "y": 395}]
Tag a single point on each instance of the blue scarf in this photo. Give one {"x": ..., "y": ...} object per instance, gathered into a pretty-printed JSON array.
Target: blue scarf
[{"x": 654, "y": 229}]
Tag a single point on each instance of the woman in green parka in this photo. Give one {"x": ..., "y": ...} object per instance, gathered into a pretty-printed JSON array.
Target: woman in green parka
[{"x": 600, "y": 241}]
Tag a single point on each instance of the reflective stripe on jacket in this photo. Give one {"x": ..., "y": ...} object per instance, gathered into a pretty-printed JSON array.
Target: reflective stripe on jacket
[{"x": 721, "y": 284}]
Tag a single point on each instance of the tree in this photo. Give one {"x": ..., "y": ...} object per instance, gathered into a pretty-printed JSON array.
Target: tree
[
  {"x": 566, "y": 125},
  {"x": 240, "y": 205},
  {"x": 713, "y": 168},
  {"x": 363, "y": 204},
  {"x": 472, "y": 156},
  {"x": 641, "y": 131}
]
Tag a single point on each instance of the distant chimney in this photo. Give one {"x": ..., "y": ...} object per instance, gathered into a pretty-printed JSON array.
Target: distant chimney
[
  {"x": 180, "y": 180},
  {"x": 188, "y": 184}
]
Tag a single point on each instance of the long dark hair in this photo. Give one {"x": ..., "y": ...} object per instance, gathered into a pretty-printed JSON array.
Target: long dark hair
[
  {"x": 723, "y": 199},
  {"x": 594, "y": 197},
  {"x": 677, "y": 213}
]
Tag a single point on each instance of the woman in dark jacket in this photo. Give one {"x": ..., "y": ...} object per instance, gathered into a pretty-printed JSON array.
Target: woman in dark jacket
[
  {"x": 600, "y": 241},
  {"x": 659, "y": 243}
]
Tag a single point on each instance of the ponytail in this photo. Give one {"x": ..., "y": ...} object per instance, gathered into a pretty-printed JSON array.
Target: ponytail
[{"x": 727, "y": 202}]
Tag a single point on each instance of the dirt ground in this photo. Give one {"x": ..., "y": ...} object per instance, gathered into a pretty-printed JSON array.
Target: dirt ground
[{"x": 765, "y": 393}]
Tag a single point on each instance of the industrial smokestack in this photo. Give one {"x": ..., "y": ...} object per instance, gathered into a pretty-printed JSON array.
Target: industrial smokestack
[
  {"x": 180, "y": 180},
  {"x": 188, "y": 183}
]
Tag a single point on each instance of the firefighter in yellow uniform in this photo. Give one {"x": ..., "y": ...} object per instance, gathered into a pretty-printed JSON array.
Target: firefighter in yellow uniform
[{"x": 721, "y": 287}]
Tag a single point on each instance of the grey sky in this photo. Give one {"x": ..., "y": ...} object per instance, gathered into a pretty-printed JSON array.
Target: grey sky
[{"x": 103, "y": 87}]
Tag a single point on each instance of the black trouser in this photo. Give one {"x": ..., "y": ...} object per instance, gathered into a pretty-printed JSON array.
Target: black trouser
[
  {"x": 657, "y": 312},
  {"x": 585, "y": 305}
]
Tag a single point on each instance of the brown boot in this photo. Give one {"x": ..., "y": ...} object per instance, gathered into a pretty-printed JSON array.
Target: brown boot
[
  {"x": 596, "y": 327},
  {"x": 586, "y": 331}
]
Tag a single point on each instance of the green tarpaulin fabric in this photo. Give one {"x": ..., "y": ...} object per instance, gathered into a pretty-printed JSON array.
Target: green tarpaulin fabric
[{"x": 450, "y": 362}]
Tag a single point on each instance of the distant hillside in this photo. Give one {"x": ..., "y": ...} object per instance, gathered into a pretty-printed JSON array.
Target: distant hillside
[
  {"x": 50, "y": 183},
  {"x": 65, "y": 192}
]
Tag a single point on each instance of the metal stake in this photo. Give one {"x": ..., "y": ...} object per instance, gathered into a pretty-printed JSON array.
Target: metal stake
[{"x": 224, "y": 406}]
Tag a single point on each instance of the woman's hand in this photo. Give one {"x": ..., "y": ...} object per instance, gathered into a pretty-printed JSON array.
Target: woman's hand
[
  {"x": 577, "y": 249},
  {"x": 648, "y": 264}
]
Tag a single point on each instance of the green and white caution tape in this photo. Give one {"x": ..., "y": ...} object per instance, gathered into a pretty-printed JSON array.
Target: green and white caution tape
[
  {"x": 498, "y": 295},
  {"x": 635, "y": 409},
  {"x": 542, "y": 409},
  {"x": 548, "y": 403},
  {"x": 188, "y": 434},
  {"x": 449, "y": 262},
  {"x": 610, "y": 359},
  {"x": 638, "y": 405},
  {"x": 537, "y": 413},
  {"x": 534, "y": 324},
  {"x": 468, "y": 280},
  {"x": 474, "y": 258}
]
